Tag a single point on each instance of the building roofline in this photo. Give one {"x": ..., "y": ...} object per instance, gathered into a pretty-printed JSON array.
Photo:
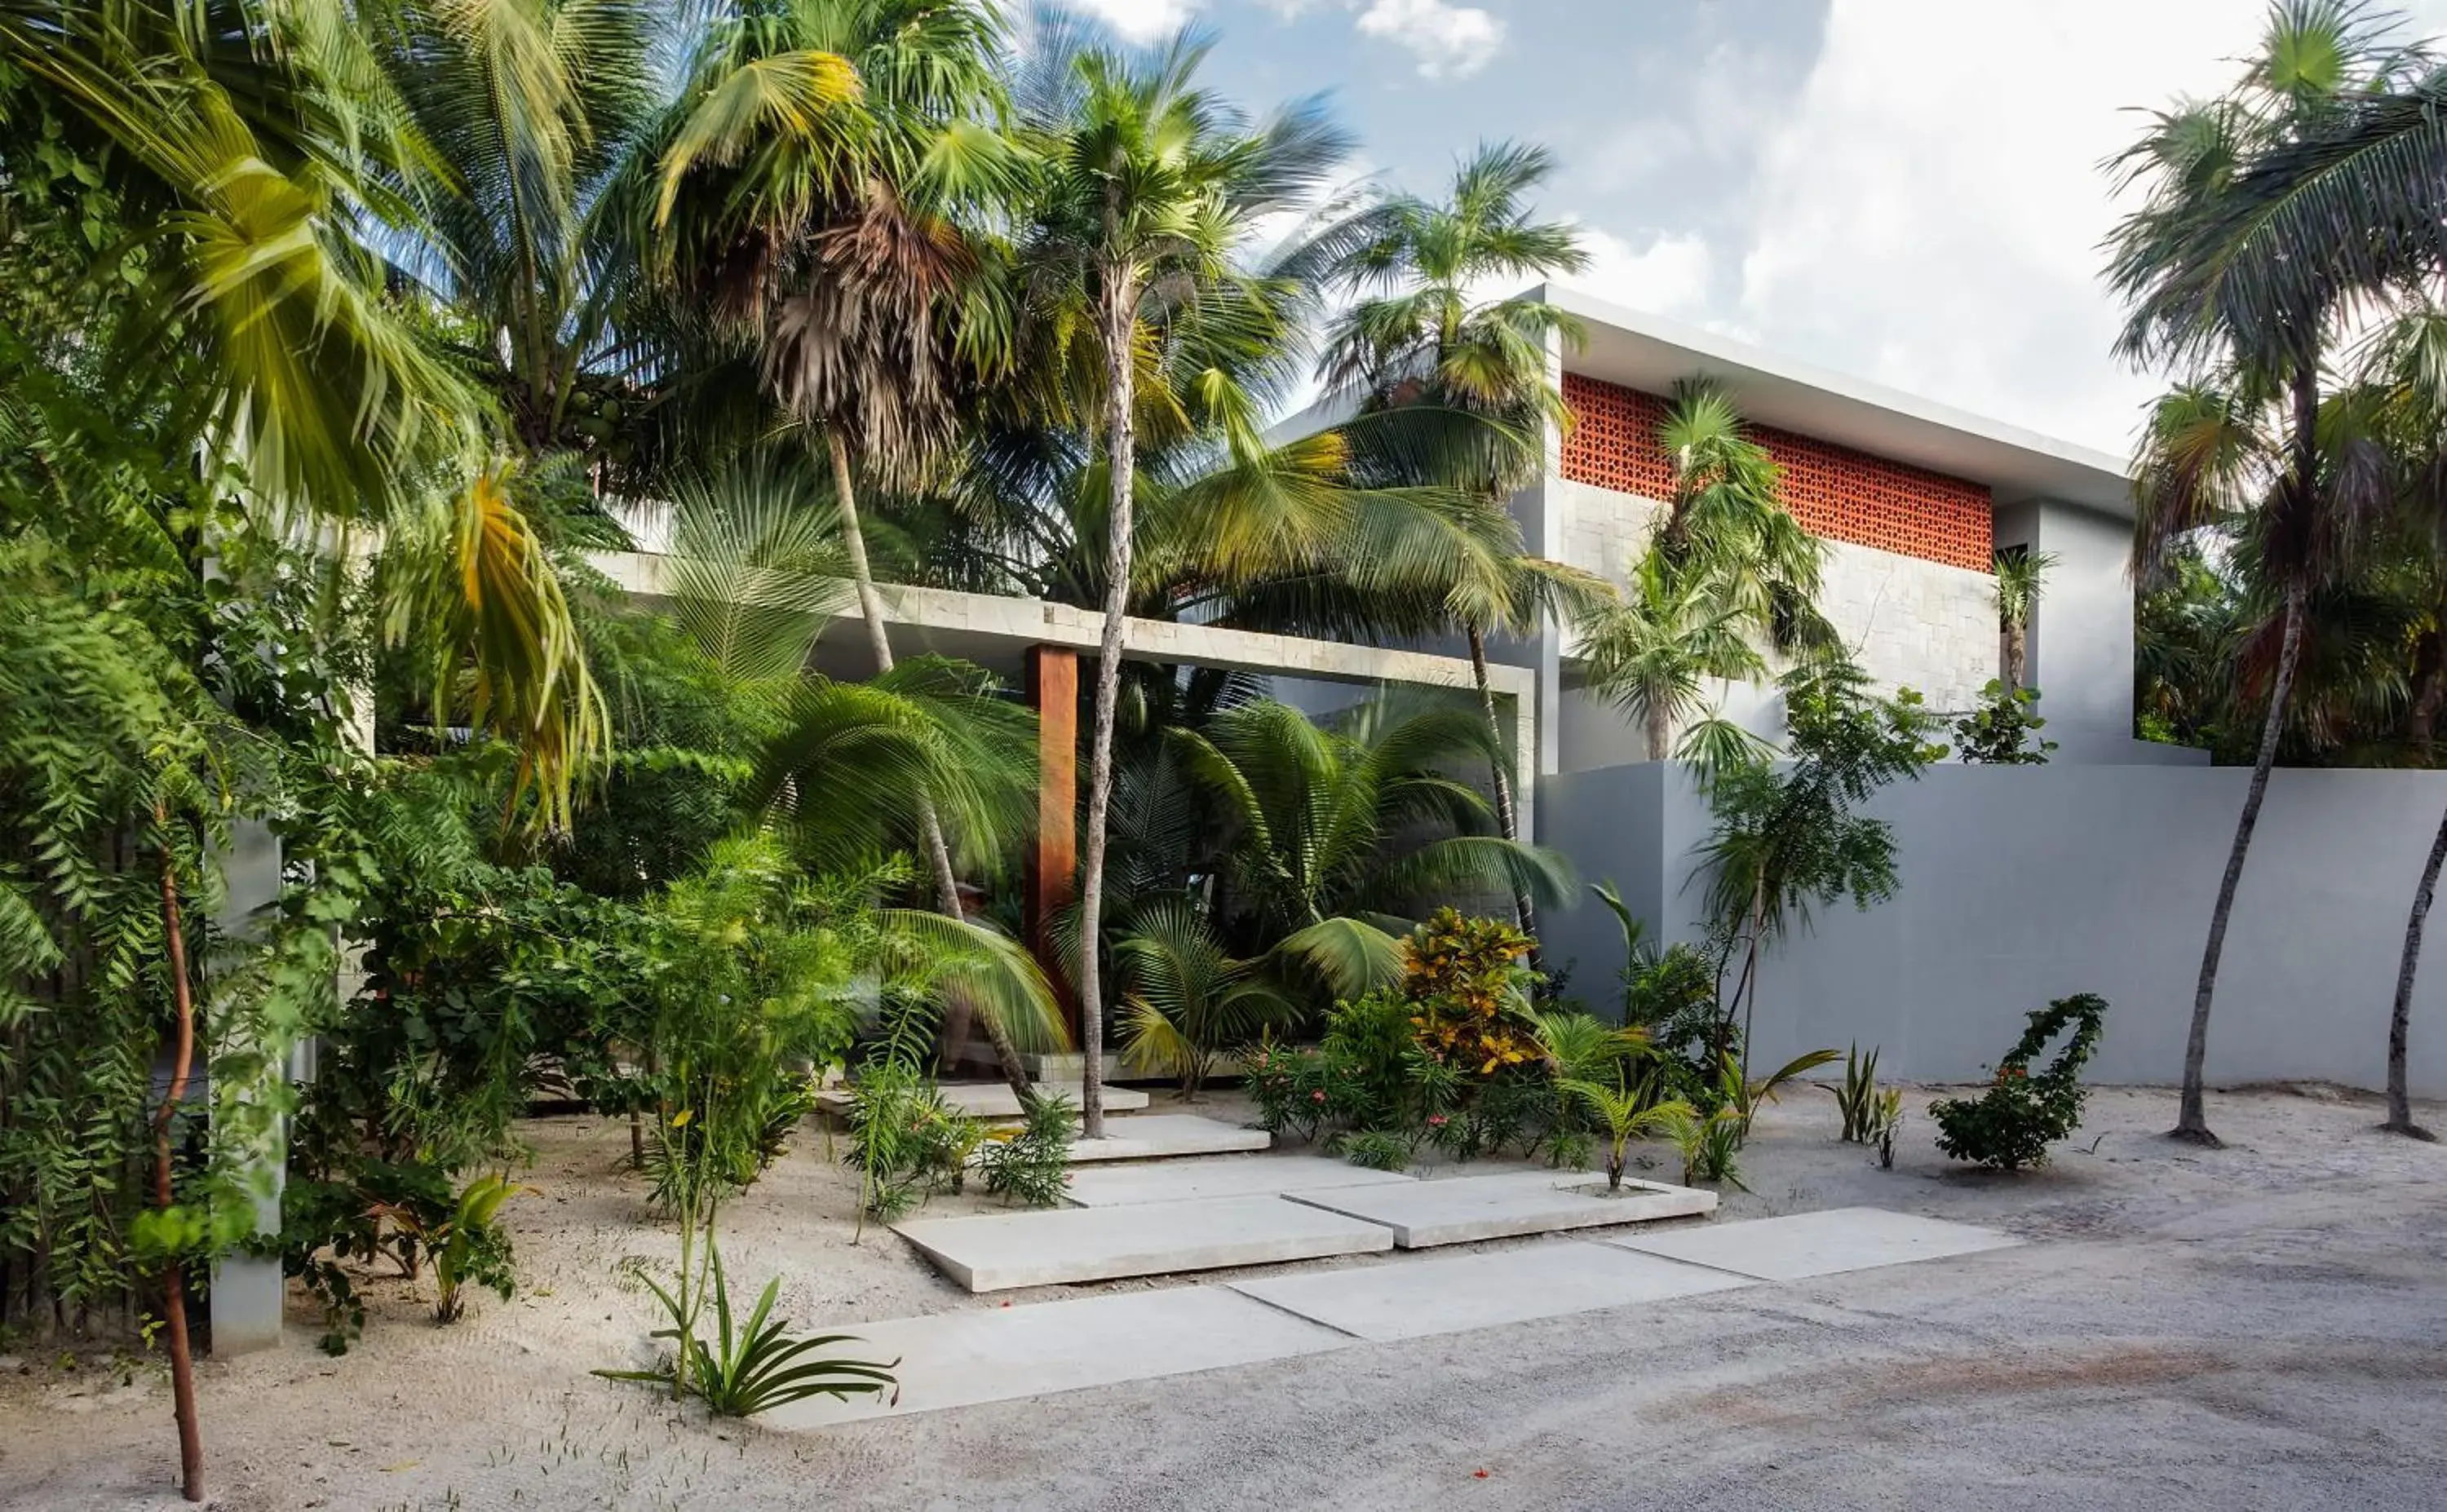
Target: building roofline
[{"x": 1640, "y": 350}]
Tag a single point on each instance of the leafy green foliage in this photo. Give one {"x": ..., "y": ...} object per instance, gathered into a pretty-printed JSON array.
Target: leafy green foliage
[
  {"x": 1858, "y": 1098},
  {"x": 2005, "y": 729},
  {"x": 2011, "y": 1125},
  {"x": 466, "y": 1242},
  {"x": 1469, "y": 985},
  {"x": 905, "y": 1140},
  {"x": 755, "y": 1367},
  {"x": 1031, "y": 1165}
]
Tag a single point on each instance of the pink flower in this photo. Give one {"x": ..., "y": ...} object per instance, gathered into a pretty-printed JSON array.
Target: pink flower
[
  {"x": 1318, "y": 1096},
  {"x": 1436, "y": 1121}
]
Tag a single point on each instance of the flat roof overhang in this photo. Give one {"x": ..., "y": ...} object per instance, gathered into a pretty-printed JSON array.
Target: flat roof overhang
[{"x": 1651, "y": 354}]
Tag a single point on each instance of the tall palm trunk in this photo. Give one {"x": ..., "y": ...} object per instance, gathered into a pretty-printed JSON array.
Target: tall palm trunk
[
  {"x": 2017, "y": 654},
  {"x": 1660, "y": 719},
  {"x": 1506, "y": 815},
  {"x": 2193, "y": 1121},
  {"x": 1120, "y": 302},
  {"x": 2399, "y": 1099},
  {"x": 174, "y": 1280},
  {"x": 939, "y": 856}
]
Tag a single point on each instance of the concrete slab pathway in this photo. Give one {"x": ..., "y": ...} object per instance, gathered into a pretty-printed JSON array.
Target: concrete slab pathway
[
  {"x": 995, "y": 1252},
  {"x": 993, "y": 1099},
  {"x": 1221, "y": 1176},
  {"x": 1452, "y": 1293},
  {"x": 953, "y": 1360},
  {"x": 1161, "y": 1136},
  {"x": 1806, "y": 1245},
  {"x": 1464, "y": 1209}
]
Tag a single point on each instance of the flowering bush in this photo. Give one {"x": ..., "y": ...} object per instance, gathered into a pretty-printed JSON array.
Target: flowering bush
[{"x": 2011, "y": 1125}]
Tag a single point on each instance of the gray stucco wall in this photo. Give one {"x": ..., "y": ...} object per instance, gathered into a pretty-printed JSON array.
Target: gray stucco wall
[
  {"x": 2023, "y": 884},
  {"x": 2082, "y": 629}
]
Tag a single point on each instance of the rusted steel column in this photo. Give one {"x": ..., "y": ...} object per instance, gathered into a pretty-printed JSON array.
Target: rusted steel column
[{"x": 1054, "y": 863}]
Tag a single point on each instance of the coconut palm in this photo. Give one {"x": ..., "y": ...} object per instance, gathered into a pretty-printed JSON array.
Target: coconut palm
[
  {"x": 2266, "y": 213},
  {"x": 1145, "y": 185},
  {"x": 1472, "y": 372}
]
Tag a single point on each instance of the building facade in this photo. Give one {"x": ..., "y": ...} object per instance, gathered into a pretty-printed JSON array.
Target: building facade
[{"x": 1913, "y": 500}]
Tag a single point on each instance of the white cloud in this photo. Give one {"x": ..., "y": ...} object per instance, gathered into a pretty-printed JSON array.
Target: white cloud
[
  {"x": 1669, "y": 276},
  {"x": 1139, "y": 21},
  {"x": 1450, "y": 41},
  {"x": 1932, "y": 220}
]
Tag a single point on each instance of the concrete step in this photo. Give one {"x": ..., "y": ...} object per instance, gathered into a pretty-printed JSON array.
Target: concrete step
[
  {"x": 1462, "y": 1210},
  {"x": 996, "y": 1252},
  {"x": 1163, "y": 1136},
  {"x": 1218, "y": 1175},
  {"x": 993, "y": 1099}
]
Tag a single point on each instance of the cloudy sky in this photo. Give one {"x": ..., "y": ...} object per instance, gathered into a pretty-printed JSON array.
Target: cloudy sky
[{"x": 1907, "y": 190}]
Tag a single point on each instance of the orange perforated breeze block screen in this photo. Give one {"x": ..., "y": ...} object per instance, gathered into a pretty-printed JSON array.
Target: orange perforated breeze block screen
[{"x": 1834, "y": 491}]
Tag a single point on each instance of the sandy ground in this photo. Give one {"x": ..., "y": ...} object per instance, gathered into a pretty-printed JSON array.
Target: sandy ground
[{"x": 2263, "y": 1326}]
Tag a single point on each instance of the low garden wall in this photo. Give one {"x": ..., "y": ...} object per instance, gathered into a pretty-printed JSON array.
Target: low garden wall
[{"x": 2024, "y": 884}]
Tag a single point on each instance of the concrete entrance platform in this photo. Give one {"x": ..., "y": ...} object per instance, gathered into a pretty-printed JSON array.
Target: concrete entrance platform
[
  {"x": 978, "y": 1354},
  {"x": 1154, "y": 1136},
  {"x": 1806, "y": 1245},
  {"x": 1452, "y": 1293},
  {"x": 1222, "y": 1176},
  {"x": 993, "y": 1099},
  {"x": 995, "y": 1252},
  {"x": 1460, "y": 1211}
]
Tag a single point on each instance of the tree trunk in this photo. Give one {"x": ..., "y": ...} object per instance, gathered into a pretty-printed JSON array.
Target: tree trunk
[
  {"x": 1661, "y": 732},
  {"x": 174, "y": 1280},
  {"x": 1120, "y": 300},
  {"x": 2017, "y": 654},
  {"x": 939, "y": 856},
  {"x": 2192, "y": 1122},
  {"x": 2400, "y": 1100},
  {"x": 1506, "y": 815}
]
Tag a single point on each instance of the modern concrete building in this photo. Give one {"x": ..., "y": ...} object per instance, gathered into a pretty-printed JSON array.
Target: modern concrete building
[{"x": 1913, "y": 499}]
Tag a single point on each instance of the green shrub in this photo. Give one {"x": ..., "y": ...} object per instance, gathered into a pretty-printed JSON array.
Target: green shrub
[
  {"x": 1031, "y": 1166},
  {"x": 1857, "y": 1100},
  {"x": 2005, "y": 729},
  {"x": 1378, "y": 1150},
  {"x": 1468, "y": 990},
  {"x": 908, "y": 1142},
  {"x": 2011, "y": 1125}
]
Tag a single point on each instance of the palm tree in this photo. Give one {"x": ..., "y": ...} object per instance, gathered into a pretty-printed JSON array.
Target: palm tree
[
  {"x": 2022, "y": 572},
  {"x": 853, "y": 769},
  {"x": 1653, "y": 652},
  {"x": 1338, "y": 832},
  {"x": 828, "y": 148},
  {"x": 1145, "y": 185},
  {"x": 1186, "y": 999},
  {"x": 1728, "y": 571},
  {"x": 2309, "y": 188},
  {"x": 1472, "y": 372}
]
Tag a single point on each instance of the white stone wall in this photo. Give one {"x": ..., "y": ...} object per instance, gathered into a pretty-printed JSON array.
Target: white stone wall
[{"x": 1911, "y": 623}]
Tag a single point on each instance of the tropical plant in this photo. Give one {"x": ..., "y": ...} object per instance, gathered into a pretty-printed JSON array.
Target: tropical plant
[
  {"x": 757, "y": 1366},
  {"x": 1670, "y": 997},
  {"x": 906, "y": 1141},
  {"x": 1859, "y": 1099},
  {"x": 1143, "y": 186},
  {"x": 1470, "y": 991},
  {"x": 1727, "y": 576},
  {"x": 1791, "y": 838},
  {"x": 1470, "y": 376},
  {"x": 466, "y": 1242},
  {"x": 1630, "y": 1109},
  {"x": 1711, "y": 1148},
  {"x": 1339, "y": 832},
  {"x": 2005, "y": 729},
  {"x": 2266, "y": 214},
  {"x": 2022, "y": 574},
  {"x": 1030, "y": 1165},
  {"x": 2011, "y": 1125},
  {"x": 1186, "y": 1003}
]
